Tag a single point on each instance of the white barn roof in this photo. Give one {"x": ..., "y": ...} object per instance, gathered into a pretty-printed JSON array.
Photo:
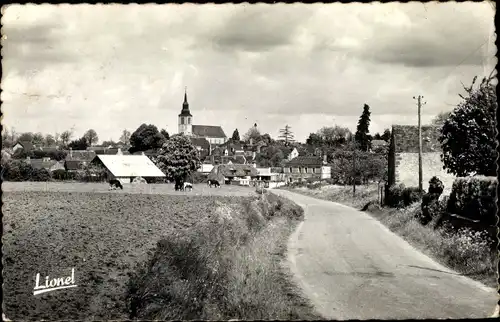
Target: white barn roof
[{"x": 130, "y": 166}]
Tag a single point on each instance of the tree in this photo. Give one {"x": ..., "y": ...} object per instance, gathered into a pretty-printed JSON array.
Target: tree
[
  {"x": 271, "y": 156},
  {"x": 165, "y": 134},
  {"x": 178, "y": 158},
  {"x": 236, "y": 136},
  {"x": 49, "y": 140},
  {"x": 66, "y": 137},
  {"x": 91, "y": 137},
  {"x": 252, "y": 133},
  {"x": 125, "y": 137},
  {"x": 146, "y": 137},
  {"x": 468, "y": 136},
  {"x": 80, "y": 144},
  {"x": 377, "y": 136},
  {"x": 441, "y": 118},
  {"x": 332, "y": 136},
  {"x": 109, "y": 143},
  {"x": 362, "y": 135},
  {"x": 314, "y": 139},
  {"x": 387, "y": 135},
  {"x": 38, "y": 139},
  {"x": 286, "y": 135},
  {"x": 27, "y": 136},
  {"x": 8, "y": 138}
]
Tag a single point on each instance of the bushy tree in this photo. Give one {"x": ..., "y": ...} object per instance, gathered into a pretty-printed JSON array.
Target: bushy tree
[
  {"x": 362, "y": 135},
  {"x": 108, "y": 143},
  {"x": 125, "y": 137},
  {"x": 49, "y": 140},
  {"x": 91, "y": 137},
  {"x": 441, "y": 118},
  {"x": 236, "y": 136},
  {"x": 80, "y": 144},
  {"x": 314, "y": 139},
  {"x": 271, "y": 156},
  {"x": 38, "y": 139},
  {"x": 165, "y": 134},
  {"x": 178, "y": 158},
  {"x": 146, "y": 137},
  {"x": 66, "y": 137},
  {"x": 252, "y": 133},
  {"x": 386, "y": 136},
  {"x": 468, "y": 135},
  {"x": 27, "y": 136}
]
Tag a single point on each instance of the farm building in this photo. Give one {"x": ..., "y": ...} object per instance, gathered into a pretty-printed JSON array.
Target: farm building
[
  {"x": 305, "y": 167},
  {"x": 403, "y": 157},
  {"x": 23, "y": 145},
  {"x": 270, "y": 177},
  {"x": 78, "y": 159},
  {"x": 45, "y": 163},
  {"x": 240, "y": 174},
  {"x": 127, "y": 167}
]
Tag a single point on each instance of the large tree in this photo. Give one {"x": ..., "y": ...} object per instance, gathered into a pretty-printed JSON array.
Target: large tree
[
  {"x": 80, "y": 144},
  {"x": 66, "y": 137},
  {"x": 314, "y": 139},
  {"x": 440, "y": 118},
  {"x": 108, "y": 143},
  {"x": 387, "y": 135},
  {"x": 38, "y": 139},
  {"x": 252, "y": 133},
  {"x": 236, "y": 136},
  {"x": 49, "y": 140},
  {"x": 286, "y": 135},
  {"x": 26, "y": 136},
  {"x": 165, "y": 134},
  {"x": 146, "y": 137},
  {"x": 362, "y": 135},
  {"x": 178, "y": 158},
  {"x": 91, "y": 137},
  {"x": 125, "y": 137},
  {"x": 334, "y": 135},
  {"x": 468, "y": 135}
]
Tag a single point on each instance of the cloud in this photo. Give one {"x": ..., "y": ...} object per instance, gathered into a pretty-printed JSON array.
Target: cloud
[{"x": 306, "y": 65}]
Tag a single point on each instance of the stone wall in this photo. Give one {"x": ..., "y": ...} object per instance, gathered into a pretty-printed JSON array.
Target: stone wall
[{"x": 407, "y": 170}]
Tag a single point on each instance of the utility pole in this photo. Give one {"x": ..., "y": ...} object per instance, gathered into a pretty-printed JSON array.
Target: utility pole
[
  {"x": 353, "y": 167},
  {"x": 420, "y": 175}
]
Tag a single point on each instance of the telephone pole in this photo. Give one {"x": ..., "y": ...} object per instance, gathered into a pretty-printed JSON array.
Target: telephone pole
[
  {"x": 420, "y": 175},
  {"x": 353, "y": 167}
]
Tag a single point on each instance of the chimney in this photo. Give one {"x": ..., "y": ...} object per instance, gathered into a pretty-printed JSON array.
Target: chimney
[
  {"x": 324, "y": 159},
  {"x": 70, "y": 152},
  {"x": 251, "y": 141}
]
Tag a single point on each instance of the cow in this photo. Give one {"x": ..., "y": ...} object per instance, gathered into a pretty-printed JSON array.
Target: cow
[
  {"x": 187, "y": 186},
  {"x": 214, "y": 183},
  {"x": 115, "y": 184}
]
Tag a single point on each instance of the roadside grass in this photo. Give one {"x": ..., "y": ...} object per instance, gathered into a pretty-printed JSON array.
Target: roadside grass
[
  {"x": 229, "y": 267},
  {"x": 468, "y": 252}
]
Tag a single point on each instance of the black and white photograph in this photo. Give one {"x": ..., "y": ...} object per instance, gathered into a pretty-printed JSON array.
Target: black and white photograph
[{"x": 269, "y": 161}]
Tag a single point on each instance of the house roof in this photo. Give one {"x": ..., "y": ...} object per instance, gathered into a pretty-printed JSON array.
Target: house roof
[
  {"x": 237, "y": 159},
  {"x": 404, "y": 138},
  {"x": 27, "y": 145},
  {"x": 201, "y": 142},
  {"x": 379, "y": 143},
  {"x": 208, "y": 131},
  {"x": 235, "y": 170},
  {"x": 41, "y": 164},
  {"x": 306, "y": 161},
  {"x": 73, "y": 164},
  {"x": 80, "y": 155},
  {"x": 130, "y": 165}
]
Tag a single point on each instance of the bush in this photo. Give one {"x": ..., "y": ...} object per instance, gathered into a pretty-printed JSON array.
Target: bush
[
  {"x": 40, "y": 175},
  {"x": 60, "y": 174},
  {"x": 436, "y": 186},
  {"x": 399, "y": 196},
  {"x": 474, "y": 198}
]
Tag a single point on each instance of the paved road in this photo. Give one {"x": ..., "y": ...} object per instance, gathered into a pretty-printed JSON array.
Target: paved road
[{"x": 353, "y": 267}]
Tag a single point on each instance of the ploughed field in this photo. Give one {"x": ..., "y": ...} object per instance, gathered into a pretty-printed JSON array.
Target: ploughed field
[
  {"x": 128, "y": 188},
  {"x": 101, "y": 235}
]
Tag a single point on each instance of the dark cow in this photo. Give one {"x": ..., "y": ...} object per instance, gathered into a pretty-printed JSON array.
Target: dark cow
[
  {"x": 115, "y": 184},
  {"x": 214, "y": 183}
]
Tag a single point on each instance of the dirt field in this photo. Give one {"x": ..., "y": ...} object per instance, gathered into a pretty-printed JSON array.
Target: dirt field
[
  {"x": 198, "y": 189},
  {"x": 101, "y": 235}
]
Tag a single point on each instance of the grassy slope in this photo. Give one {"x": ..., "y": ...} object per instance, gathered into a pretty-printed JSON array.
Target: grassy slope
[
  {"x": 227, "y": 268},
  {"x": 467, "y": 253}
]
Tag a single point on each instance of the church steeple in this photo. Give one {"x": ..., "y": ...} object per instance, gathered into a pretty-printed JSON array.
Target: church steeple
[{"x": 185, "y": 106}]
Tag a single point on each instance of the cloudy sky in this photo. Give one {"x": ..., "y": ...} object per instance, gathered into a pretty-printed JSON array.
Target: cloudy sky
[{"x": 114, "y": 67}]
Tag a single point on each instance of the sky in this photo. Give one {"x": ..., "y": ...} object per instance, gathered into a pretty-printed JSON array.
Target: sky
[{"x": 114, "y": 67}]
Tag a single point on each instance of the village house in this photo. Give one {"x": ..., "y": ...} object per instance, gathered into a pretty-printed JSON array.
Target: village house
[
  {"x": 45, "y": 163},
  {"x": 213, "y": 134},
  {"x": 305, "y": 167},
  {"x": 403, "y": 157},
  {"x": 78, "y": 159},
  {"x": 238, "y": 174},
  {"x": 107, "y": 150},
  {"x": 202, "y": 145},
  {"x": 126, "y": 168},
  {"x": 23, "y": 145},
  {"x": 270, "y": 177}
]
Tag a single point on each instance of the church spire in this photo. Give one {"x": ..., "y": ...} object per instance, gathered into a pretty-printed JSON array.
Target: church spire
[{"x": 185, "y": 106}]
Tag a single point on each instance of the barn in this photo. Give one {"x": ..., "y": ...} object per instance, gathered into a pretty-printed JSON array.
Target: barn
[{"x": 127, "y": 167}]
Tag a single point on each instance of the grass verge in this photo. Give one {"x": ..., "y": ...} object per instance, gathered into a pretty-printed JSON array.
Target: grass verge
[
  {"x": 228, "y": 267},
  {"x": 471, "y": 253}
]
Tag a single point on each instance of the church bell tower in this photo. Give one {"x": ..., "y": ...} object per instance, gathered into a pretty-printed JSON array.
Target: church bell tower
[{"x": 185, "y": 118}]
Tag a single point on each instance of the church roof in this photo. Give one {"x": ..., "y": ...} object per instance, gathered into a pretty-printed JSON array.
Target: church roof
[
  {"x": 208, "y": 131},
  {"x": 185, "y": 107}
]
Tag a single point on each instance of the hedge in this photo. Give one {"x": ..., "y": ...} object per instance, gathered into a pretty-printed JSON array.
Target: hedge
[
  {"x": 474, "y": 198},
  {"x": 399, "y": 196}
]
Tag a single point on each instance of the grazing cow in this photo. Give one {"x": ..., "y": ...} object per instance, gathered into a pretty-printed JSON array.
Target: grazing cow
[
  {"x": 115, "y": 184},
  {"x": 214, "y": 183},
  {"x": 187, "y": 186}
]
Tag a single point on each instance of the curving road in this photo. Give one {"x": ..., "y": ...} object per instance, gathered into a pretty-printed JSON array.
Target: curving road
[{"x": 353, "y": 267}]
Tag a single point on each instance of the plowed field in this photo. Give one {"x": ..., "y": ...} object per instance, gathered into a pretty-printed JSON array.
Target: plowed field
[{"x": 101, "y": 235}]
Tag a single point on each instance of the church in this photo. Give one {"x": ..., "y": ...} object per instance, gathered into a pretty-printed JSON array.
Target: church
[{"x": 213, "y": 134}]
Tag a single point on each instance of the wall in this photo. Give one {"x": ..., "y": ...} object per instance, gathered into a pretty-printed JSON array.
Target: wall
[{"x": 407, "y": 170}]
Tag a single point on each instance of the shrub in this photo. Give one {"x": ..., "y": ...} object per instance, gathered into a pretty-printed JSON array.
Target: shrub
[
  {"x": 60, "y": 174},
  {"x": 399, "y": 196},
  {"x": 436, "y": 186},
  {"x": 474, "y": 198},
  {"x": 40, "y": 175}
]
